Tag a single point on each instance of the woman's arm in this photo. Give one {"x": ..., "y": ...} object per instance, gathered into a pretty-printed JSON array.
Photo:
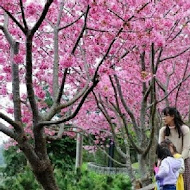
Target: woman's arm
[{"x": 186, "y": 142}]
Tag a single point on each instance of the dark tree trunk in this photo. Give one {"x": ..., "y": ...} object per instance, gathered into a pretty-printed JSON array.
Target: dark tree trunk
[{"x": 44, "y": 175}]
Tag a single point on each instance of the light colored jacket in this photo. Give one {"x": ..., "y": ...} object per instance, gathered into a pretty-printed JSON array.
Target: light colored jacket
[{"x": 169, "y": 171}]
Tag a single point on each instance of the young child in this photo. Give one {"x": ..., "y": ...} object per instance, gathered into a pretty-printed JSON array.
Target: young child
[
  {"x": 172, "y": 148},
  {"x": 169, "y": 168}
]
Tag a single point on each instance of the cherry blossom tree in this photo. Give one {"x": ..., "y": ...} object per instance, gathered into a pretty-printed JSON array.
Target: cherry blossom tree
[
  {"x": 151, "y": 72},
  {"x": 59, "y": 50},
  {"x": 30, "y": 62}
]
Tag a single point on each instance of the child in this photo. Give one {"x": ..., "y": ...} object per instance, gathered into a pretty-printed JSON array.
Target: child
[
  {"x": 172, "y": 148},
  {"x": 168, "y": 169}
]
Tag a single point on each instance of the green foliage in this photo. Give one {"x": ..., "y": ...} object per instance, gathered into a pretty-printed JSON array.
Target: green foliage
[
  {"x": 1, "y": 155},
  {"x": 21, "y": 181},
  {"x": 122, "y": 182},
  {"x": 14, "y": 160},
  {"x": 84, "y": 179},
  {"x": 18, "y": 176},
  {"x": 16, "y": 173},
  {"x": 62, "y": 153}
]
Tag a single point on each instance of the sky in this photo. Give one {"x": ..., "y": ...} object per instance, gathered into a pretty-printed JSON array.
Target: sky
[{"x": 3, "y": 138}]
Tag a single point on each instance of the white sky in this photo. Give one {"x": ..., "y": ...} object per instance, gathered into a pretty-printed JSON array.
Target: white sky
[{"x": 3, "y": 138}]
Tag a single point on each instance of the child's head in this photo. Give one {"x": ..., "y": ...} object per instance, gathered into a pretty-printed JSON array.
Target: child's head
[
  {"x": 170, "y": 145},
  {"x": 163, "y": 152}
]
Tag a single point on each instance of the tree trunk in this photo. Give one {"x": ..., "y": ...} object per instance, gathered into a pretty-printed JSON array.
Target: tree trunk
[
  {"x": 45, "y": 177},
  {"x": 79, "y": 145},
  {"x": 129, "y": 166},
  {"x": 145, "y": 177},
  {"x": 40, "y": 164}
]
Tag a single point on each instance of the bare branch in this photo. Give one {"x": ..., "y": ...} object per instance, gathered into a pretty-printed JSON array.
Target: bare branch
[
  {"x": 139, "y": 150},
  {"x": 9, "y": 132},
  {"x": 78, "y": 95},
  {"x": 173, "y": 28},
  {"x": 62, "y": 86},
  {"x": 170, "y": 91},
  {"x": 15, "y": 20},
  {"x": 101, "y": 106},
  {"x": 6, "y": 32},
  {"x": 60, "y": 14},
  {"x": 161, "y": 85},
  {"x": 138, "y": 11},
  {"x": 23, "y": 15},
  {"x": 82, "y": 31},
  {"x": 185, "y": 71},
  {"x": 158, "y": 59},
  {"x": 174, "y": 56},
  {"x": 43, "y": 15},
  {"x": 179, "y": 32},
  {"x": 96, "y": 30},
  {"x": 107, "y": 52},
  {"x": 59, "y": 134},
  {"x": 55, "y": 107},
  {"x": 11, "y": 122},
  {"x": 117, "y": 15},
  {"x": 70, "y": 24},
  {"x": 47, "y": 123},
  {"x": 115, "y": 92},
  {"x": 131, "y": 114}
]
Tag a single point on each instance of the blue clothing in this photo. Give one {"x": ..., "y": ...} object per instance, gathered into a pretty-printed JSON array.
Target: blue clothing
[
  {"x": 169, "y": 171},
  {"x": 169, "y": 187}
]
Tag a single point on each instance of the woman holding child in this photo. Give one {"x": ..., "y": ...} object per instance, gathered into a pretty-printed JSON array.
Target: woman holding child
[{"x": 179, "y": 134}]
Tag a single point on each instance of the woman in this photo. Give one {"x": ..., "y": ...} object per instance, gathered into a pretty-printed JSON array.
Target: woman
[{"x": 179, "y": 134}]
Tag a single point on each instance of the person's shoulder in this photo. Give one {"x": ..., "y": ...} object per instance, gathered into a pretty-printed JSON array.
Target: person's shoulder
[
  {"x": 185, "y": 129},
  {"x": 165, "y": 160},
  {"x": 168, "y": 160},
  {"x": 162, "y": 129}
]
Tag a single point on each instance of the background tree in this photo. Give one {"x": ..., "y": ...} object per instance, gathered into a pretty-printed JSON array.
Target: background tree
[{"x": 150, "y": 74}]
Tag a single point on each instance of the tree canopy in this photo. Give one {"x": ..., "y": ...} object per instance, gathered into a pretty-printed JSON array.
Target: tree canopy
[{"x": 91, "y": 64}]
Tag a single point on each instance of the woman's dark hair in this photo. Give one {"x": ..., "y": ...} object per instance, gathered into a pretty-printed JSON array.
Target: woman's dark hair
[
  {"x": 163, "y": 152},
  {"x": 172, "y": 111}
]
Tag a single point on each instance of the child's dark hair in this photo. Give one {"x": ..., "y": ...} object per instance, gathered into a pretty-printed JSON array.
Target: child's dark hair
[
  {"x": 167, "y": 143},
  {"x": 163, "y": 152},
  {"x": 172, "y": 111}
]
